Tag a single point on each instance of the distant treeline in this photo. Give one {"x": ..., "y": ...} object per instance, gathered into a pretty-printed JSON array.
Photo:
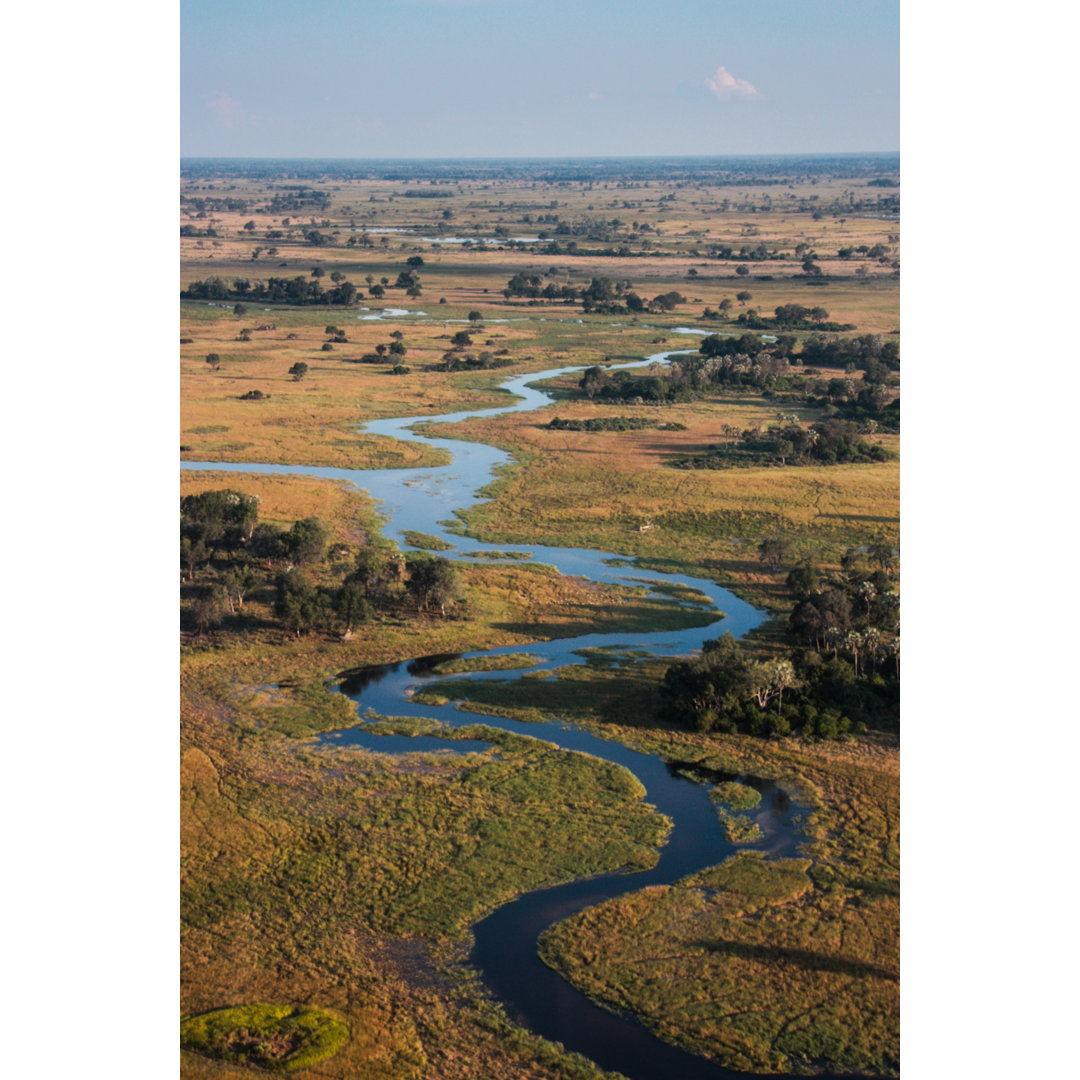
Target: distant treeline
[
  {"x": 298, "y": 290},
  {"x": 715, "y": 170},
  {"x": 605, "y": 296},
  {"x": 612, "y": 423}
]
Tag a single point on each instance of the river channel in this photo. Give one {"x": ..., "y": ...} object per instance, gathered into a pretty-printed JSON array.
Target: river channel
[{"x": 424, "y": 500}]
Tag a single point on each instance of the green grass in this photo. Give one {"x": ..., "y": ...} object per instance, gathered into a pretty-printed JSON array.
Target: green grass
[
  {"x": 281, "y": 1038},
  {"x": 425, "y": 541},
  {"x": 417, "y": 848},
  {"x": 520, "y": 556},
  {"x": 601, "y": 688},
  {"x": 735, "y": 796},
  {"x": 506, "y": 662},
  {"x": 737, "y": 963}
]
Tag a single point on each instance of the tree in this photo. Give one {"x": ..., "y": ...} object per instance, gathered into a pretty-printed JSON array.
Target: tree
[
  {"x": 881, "y": 552},
  {"x": 299, "y": 370},
  {"x": 376, "y": 291},
  {"x": 725, "y": 305},
  {"x": 306, "y": 541},
  {"x": 592, "y": 381},
  {"x": 853, "y": 642},
  {"x": 770, "y": 679},
  {"x": 372, "y": 574},
  {"x": 351, "y": 607},
  {"x": 249, "y": 226},
  {"x": 742, "y": 270},
  {"x": 209, "y": 607},
  {"x": 238, "y": 580},
  {"x": 414, "y": 260},
  {"x": 239, "y": 309},
  {"x": 803, "y": 580},
  {"x": 397, "y": 348},
  {"x": 193, "y": 553},
  {"x": 774, "y": 551},
  {"x": 743, "y": 296},
  {"x": 296, "y": 602},
  {"x": 461, "y": 339},
  {"x": 432, "y": 582},
  {"x": 475, "y": 317},
  {"x": 213, "y": 360}
]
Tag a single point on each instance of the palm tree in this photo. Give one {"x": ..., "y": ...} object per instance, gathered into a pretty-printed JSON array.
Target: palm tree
[{"x": 853, "y": 642}]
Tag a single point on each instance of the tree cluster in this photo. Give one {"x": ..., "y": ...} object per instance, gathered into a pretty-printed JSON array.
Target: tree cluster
[
  {"x": 829, "y": 442},
  {"x": 223, "y": 543},
  {"x": 300, "y": 291}
]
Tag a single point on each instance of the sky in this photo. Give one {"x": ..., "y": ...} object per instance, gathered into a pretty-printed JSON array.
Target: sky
[{"x": 538, "y": 78}]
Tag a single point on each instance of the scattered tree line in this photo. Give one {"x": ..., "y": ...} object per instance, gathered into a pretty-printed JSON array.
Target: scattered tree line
[
  {"x": 829, "y": 442},
  {"x": 750, "y": 363},
  {"x": 299, "y": 291},
  {"x": 225, "y": 554},
  {"x": 792, "y": 317},
  {"x": 612, "y": 423},
  {"x": 605, "y": 296}
]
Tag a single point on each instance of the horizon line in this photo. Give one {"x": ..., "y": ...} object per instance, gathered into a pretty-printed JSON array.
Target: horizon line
[{"x": 545, "y": 157}]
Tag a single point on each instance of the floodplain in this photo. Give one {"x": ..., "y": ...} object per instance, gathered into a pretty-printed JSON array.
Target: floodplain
[{"x": 347, "y": 880}]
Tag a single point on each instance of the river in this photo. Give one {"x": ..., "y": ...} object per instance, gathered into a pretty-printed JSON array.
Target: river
[{"x": 424, "y": 499}]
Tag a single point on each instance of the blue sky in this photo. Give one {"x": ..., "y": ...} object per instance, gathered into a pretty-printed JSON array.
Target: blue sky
[{"x": 523, "y": 78}]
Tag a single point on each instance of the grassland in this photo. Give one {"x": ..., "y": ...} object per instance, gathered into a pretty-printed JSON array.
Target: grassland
[
  {"x": 599, "y": 489},
  {"x": 316, "y": 875},
  {"x": 806, "y": 978},
  {"x": 765, "y": 965}
]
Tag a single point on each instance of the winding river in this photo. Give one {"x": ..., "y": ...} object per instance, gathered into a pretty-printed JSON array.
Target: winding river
[{"x": 424, "y": 500}]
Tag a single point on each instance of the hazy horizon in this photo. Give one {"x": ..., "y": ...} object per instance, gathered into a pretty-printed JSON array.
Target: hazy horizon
[{"x": 458, "y": 79}]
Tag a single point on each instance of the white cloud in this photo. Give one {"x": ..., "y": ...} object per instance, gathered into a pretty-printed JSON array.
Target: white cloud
[
  {"x": 725, "y": 85},
  {"x": 228, "y": 110}
]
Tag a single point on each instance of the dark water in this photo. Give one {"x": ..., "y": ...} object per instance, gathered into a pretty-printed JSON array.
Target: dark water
[{"x": 505, "y": 941}]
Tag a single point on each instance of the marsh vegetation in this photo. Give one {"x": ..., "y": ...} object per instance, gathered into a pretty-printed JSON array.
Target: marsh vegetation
[{"x": 343, "y": 881}]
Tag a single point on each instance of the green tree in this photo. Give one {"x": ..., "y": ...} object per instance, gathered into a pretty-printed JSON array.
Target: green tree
[
  {"x": 238, "y": 581},
  {"x": 298, "y": 370},
  {"x": 432, "y": 582},
  {"x": 213, "y": 360},
  {"x": 352, "y": 607},
  {"x": 193, "y": 553},
  {"x": 774, "y": 551},
  {"x": 372, "y": 574},
  {"x": 209, "y": 607},
  {"x": 296, "y": 602},
  {"x": 306, "y": 541}
]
